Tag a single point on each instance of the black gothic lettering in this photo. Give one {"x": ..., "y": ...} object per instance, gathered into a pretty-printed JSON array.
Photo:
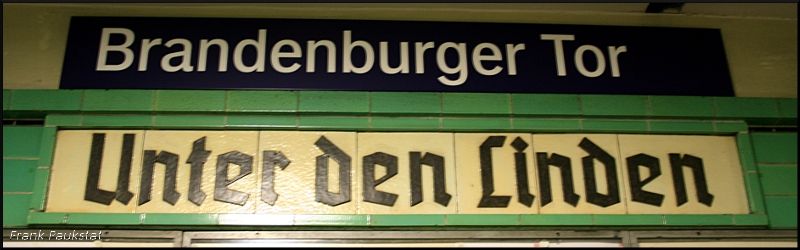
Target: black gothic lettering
[
  {"x": 563, "y": 164},
  {"x": 696, "y": 164},
  {"x": 436, "y": 162},
  {"x": 123, "y": 179},
  {"x": 93, "y": 192},
  {"x": 592, "y": 196},
  {"x": 487, "y": 180},
  {"x": 221, "y": 191},
  {"x": 197, "y": 158},
  {"x": 525, "y": 196},
  {"x": 170, "y": 160},
  {"x": 270, "y": 159},
  {"x": 370, "y": 193},
  {"x": 637, "y": 193},
  {"x": 322, "y": 193}
]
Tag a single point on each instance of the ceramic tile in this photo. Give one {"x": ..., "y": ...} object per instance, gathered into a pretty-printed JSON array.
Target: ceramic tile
[
  {"x": 782, "y": 212},
  {"x": 218, "y": 144},
  {"x": 295, "y": 185},
  {"x": 503, "y": 171},
  {"x": 15, "y": 210},
  {"x": 70, "y": 171},
  {"x": 22, "y": 141},
  {"x": 574, "y": 148},
  {"x": 428, "y": 147},
  {"x": 721, "y": 168}
]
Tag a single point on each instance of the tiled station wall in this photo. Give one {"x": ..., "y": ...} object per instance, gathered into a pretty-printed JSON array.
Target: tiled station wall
[
  {"x": 776, "y": 156},
  {"x": 769, "y": 159}
]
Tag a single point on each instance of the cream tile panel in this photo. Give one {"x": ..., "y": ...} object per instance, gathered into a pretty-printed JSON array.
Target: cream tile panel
[
  {"x": 218, "y": 142},
  {"x": 567, "y": 145},
  {"x": 295, "y": 185},
  {"x": 400, "y": 145},
  {"x": 71, "y": 166},
  {"x": 468, "y": 174},
  {"x": 723, "y": 173}
]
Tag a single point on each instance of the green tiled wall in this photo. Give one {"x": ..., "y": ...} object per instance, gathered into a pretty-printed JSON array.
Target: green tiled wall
[
  {"x": 769, "y": 159},
  {"x": 130, "y": 101},
  {"x": 24, "y": 103},
  {"x": 21, "y": 146},
  {"x": 776, "y": 158}
]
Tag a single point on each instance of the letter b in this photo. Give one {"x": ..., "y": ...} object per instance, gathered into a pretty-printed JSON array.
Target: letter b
[{"x": 105, "y": 48}]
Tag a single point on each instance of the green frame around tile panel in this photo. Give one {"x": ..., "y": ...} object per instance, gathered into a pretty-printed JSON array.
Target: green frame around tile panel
[
  {"x": 778, "y": 179},
  {"x": 556, "y": 219},
  {"x": 746, "y": 155},
  {"x": 62, "y": 120},
  {"x": 179, "y": 219},
  {"x": 750, "y": 220},
  {"x": 788, "y": 107},
  {"x": 333, "y": 123},
  {"x": 551, "y": 105},
  {"x": 476, "y": 124},
  {"x": 755, "y": 196},
  {"x": 730, "y": 127},
  {"x": 117, "y": 121},
  {"x": 483, "y": 220},
  {"x": 614, "y": 126},
  {"x": 614, "y": 106},
  {"x": 19, "y": 175},
  {"x": 6, "y": 99},
  {"x": 405, "y": 103},
  {"x": 40, "y": 183},
  {"x": 261, "y": 122},
  {"x": 405, "y": 124},
  {"x": 118, "y": 100},
  {"x": 691, "y": 107},
  {"x": 256, "y": 219},
  {"x": 261, "y": 101},
  {"x": 788, "y": 111},
  {"x": 407, "y": 220},
  {"x": 681, "y": 127},
  {"x": 333, "y": 102},
  {"x": 628, "y": 219},
  {"x": 546, "y": 125},
  {"x": 193, "y": 101},
  {"x": 47, "y": 218},
  {"x": 698, "y": 220},
  {"x": 189, "y": 121},
  {"x": 47, "y": 146},
  {"x": 103, "y": 219},
  {"x": 331, "y": 220},
  {"x": 476, "y": 104}
]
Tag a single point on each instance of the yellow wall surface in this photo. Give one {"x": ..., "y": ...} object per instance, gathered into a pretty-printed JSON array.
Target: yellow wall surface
[{"x": 761, "y": 52}]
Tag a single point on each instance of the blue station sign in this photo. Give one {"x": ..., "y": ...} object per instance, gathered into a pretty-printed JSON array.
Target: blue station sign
[{"x": 304, "y": 54}]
